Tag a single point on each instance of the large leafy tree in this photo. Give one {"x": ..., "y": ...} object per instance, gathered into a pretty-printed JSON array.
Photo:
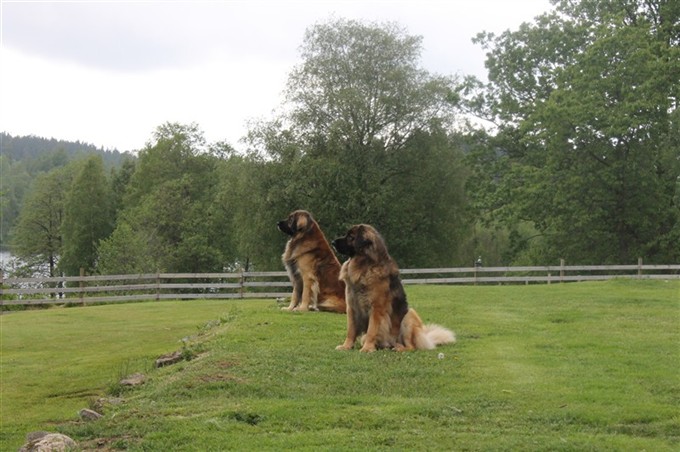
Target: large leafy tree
[
  {"x": 88, "y": 217},
  {"x": 166, "y": 205},
  {"x": 587, "y": 151},
  {"x": 361, "y": 83},
  {"x": 364, "y": 141},
  {"x": 37, "y": 237}
]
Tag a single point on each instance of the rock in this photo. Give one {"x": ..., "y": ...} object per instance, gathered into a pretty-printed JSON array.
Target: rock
[
  {"x": 34, "y": 436},
  {"x": 169, "y": 358},
  {"x": 48, "y": 442},
  {"x": 133, "y": 380},
  {"x": 89, "y": 415},
  {"x": 102, "y": 404}
]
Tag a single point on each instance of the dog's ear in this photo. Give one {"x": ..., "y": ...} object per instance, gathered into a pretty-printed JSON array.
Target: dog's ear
[
  {"x": 303, "y": 221},
  {"x": 373, "y": 243},
  {"x": 364, "y": 241}
]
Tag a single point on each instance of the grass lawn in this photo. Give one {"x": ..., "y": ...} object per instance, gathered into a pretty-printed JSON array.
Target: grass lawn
[{"x": 581, "y": 366}]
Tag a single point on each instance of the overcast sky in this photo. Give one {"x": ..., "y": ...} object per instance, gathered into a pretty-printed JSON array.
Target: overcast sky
[{"x": 109, "y": 73}]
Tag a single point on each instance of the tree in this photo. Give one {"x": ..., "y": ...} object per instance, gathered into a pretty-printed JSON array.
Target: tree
[
  {"x": 37, "y": 238},
  {"x": 120, "y": 179},
  {"x": 24, "y": 157},
  {"x": 127, "y": 251},
  {"x": 14, "y": 183},
  {"x": 365, "y": 142},
  {"x": 166, "y": 205},
  {"x": 88, "y": 217},
  {"x": 361, "y": 83},
  {"x": 585, "y": 101}
]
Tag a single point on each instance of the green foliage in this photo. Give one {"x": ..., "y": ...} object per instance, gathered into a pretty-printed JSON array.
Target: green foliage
[
  {"x": 169, "y": 192},
  {"x": 582, "y": 163},
  {"x": 22, "y": 158},
  {"x": 587, "y": 148},
  {"x": 360, "y": 83},
  {"x": 38, "y": 238},
  {"x": 127, "y": 251},
  {"x": 14, "y": 183},
  {"x": 582, "y": 366},
  {"x": 365, "y": 142},
  {"x": 88, "y": 217}
]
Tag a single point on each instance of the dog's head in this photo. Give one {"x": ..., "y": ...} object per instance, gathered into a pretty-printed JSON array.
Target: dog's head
[
  {"x": 299, "y": 221},
  {"x": 361, "y": 240}
]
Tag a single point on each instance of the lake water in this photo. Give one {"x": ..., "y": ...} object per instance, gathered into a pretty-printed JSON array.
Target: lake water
[
  {"x": 10, "y": 264},
  {"x": 5, "y": 258}
]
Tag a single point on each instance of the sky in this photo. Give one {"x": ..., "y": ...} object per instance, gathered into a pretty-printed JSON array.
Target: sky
[{"x": 108, "y": 73}]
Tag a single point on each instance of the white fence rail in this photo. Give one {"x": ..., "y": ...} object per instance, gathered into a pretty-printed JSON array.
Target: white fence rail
[{"x": 275, "y": 284}]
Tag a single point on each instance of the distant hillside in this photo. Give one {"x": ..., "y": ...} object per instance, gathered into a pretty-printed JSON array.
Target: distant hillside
[
  {"x": 24, "y": 157},
  {"x": 17, "y": 148}
]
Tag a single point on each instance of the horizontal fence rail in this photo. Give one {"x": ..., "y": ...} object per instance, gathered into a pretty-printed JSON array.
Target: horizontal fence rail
[{"x": 275, "y": 284}]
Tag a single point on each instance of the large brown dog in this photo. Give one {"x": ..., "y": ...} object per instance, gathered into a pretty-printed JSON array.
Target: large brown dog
[
  {"x": 376, "y": 301},
  {"x": 312, "y": 266}
]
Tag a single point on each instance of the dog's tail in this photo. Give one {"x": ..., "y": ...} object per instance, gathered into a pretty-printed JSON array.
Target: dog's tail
[{"x": 433, "y": 335}]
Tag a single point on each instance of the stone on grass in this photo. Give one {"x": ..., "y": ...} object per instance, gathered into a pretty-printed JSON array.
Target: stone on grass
[
  {"x": 133, "y": 380},
  {"x": 169, "y": 358},
  {"x": 48, "y": 442},
  {"x": 89, "y": 415}
]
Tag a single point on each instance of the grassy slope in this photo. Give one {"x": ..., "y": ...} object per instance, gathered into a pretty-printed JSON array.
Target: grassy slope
[{"x": 563, "y": 367}]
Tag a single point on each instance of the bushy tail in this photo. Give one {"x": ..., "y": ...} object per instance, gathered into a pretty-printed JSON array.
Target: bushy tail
[{"x": 434, "y": 335}]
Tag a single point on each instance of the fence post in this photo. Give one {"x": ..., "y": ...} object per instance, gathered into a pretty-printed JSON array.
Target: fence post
[
  {"x": 2, "y": 290},
  {"x": 561, "y": 270},
  {"x": 81, "y": 285},
  {"x": 478, "y": 263},
  {"x": 241, "y": 284},
  {"x": 639, "y": 267},
  {"x": 158, "y": 286}
]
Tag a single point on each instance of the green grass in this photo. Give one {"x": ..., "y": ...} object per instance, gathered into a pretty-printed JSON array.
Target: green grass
[{"x": 583, "y": 366}]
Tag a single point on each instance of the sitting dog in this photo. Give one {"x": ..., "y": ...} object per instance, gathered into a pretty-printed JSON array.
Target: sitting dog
[
  {"x": 376, "y": 301},
  {"x": 312, "y": 266}
]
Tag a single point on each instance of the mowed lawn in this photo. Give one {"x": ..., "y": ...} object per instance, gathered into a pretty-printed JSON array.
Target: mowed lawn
[{"x": 579, "y": 366}]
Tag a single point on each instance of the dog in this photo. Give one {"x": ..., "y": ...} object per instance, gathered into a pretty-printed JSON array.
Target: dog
[
  {"x": 312, "y": 266},
  {"x": 376, "y": 301}
]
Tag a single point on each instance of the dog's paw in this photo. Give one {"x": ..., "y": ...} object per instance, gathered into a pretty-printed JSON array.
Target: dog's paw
[
  {"x": 402, "y": 348},
  {"x": 344, "y": 347},
  {"x": 367, "y": 348}
]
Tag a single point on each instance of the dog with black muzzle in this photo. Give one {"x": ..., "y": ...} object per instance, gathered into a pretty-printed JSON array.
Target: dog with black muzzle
[
  {"x": 312, "y": 266},
  {"x": 376, "y": 301}
]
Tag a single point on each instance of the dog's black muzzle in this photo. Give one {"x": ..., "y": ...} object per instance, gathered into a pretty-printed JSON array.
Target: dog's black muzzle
[
  {"x": 341, "y": 245},
  {"x": 283, "y": 227}
]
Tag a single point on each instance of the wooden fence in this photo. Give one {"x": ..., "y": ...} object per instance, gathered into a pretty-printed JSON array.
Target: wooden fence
[{"x": 186, "y": 286}]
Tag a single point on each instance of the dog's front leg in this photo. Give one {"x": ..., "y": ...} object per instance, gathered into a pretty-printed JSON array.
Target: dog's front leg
[
  {"x": 351, "y": 337},
  {"x": 297, "y": 292},
  {"x": 293, "y": 301},
  {"x": 308, "y": 295},
  {"x": 374, "y": 325}
]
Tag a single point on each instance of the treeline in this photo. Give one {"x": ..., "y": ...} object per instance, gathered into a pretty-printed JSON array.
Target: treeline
[
  {"x": 583, "y": 162},
  {"x": 22, "y": 158}
]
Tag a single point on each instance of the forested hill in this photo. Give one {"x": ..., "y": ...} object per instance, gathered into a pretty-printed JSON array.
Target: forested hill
[
  {"x": 23, "y": 158},
  {"x": 16, "y": 148}
]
